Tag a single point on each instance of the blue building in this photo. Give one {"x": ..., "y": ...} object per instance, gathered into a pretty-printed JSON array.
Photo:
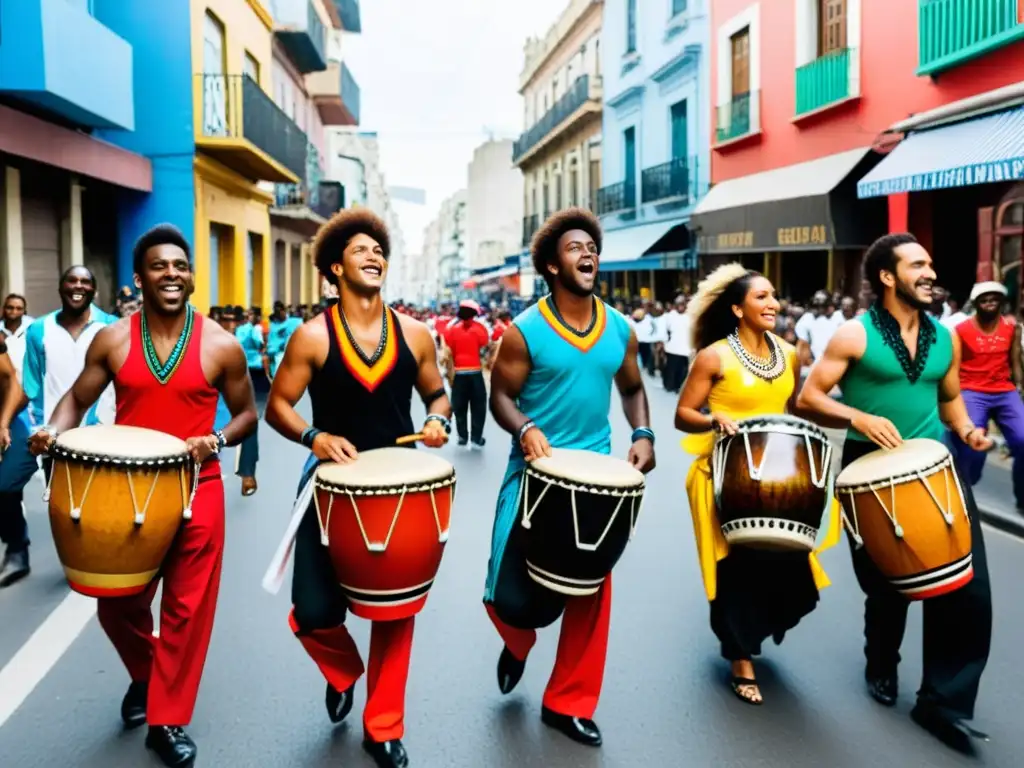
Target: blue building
[{"x": 655, "y": 143}]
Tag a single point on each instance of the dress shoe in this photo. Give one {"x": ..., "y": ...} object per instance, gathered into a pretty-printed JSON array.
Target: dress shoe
[
  {"x": 172, "y": 745},
  {"x": 884, "y": 690},
  {"x": 387, "y": 754},
  {"x": 339, "y": 703},
  {"x": 955, "y": 734},
  {"x": 580, "y": 729},
  {"x": 133, "y": 705},
  {"x": 15, "y": 567},
  {"x": 510, "y": 671}
]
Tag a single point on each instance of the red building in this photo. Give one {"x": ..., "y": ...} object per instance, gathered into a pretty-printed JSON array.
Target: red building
[{"x": 838, "y": 120}]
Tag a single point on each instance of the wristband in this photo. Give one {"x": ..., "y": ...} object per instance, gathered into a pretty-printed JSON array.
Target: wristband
[
  {"x": 643, "y": 433},
  {"x": 524, "y": 429},
  {"x": 308, "y": 436},
  {"x": 440, "y": 420},
  {"x": 221, "y": 440}
]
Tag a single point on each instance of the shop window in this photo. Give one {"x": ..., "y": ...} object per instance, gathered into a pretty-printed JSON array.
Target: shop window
[{"x": 1010, "y": 248}]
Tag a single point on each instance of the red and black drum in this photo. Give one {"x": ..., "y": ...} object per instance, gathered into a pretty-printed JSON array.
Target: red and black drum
[{"x": 773, "y": 483}]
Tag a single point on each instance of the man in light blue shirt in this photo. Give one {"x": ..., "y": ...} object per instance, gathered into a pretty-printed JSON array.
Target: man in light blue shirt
[{"x": 250, "y": 334}]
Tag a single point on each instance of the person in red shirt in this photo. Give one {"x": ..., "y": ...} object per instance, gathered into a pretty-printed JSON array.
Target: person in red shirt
[
  {"x": 467, "y": 338},
  {"x": 501, "y": 323},
  {"x": 990, "y": 379}
]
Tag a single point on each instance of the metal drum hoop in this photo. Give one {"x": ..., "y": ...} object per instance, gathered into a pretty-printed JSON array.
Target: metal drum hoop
[{"x": 630, "y": 492}]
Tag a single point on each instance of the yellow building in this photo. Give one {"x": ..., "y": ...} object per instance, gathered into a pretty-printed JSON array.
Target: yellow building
[{"x": 242, "y": 139}]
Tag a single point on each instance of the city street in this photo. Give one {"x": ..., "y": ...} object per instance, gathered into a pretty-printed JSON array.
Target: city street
[{"x": 665, "y": 703}]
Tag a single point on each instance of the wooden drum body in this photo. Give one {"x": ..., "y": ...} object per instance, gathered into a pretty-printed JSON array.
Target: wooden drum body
[
  {"x": 773, "y": 483},
  {"x": 385, "y": 519},
  {"x": 907, "y": 509},
  {"x": 579, "y": 509},
  {"x": 117, "y": 497}
]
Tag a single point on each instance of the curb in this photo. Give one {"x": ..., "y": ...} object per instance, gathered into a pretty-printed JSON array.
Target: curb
[{"x": 1005, "y": 523}]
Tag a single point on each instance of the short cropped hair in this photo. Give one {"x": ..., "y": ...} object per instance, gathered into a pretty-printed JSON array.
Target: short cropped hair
[
  {"x": 161, "y": 234},
  {"x": 330, "y": 242},
  {"x": 881, "y": 255},
  {"x": 544, "y": 249},
  {"x": 16, "y": 296}
]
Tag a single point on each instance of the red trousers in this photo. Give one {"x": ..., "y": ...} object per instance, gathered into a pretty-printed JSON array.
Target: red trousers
[
  {"x": 173, "y": 663},
  {"x": 336, "y": 655},
  {"x": 575, "y": 683}
]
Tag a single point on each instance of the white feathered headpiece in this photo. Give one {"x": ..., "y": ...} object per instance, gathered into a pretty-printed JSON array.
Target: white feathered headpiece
[{"x": 710, "y": 288}]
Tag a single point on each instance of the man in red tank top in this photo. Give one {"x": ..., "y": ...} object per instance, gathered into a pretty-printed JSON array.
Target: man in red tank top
[
  {"x": 990, "y": 379},
  {"x": 162, "y": 361}
]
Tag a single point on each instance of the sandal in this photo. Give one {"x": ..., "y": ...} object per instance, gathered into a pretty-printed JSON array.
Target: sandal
[{"x": 747, "y": 691}]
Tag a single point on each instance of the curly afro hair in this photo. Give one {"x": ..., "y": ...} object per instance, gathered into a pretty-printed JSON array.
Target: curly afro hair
[
  {"x": 544, "y": 249},
  {"x": 330, "y": 242}
]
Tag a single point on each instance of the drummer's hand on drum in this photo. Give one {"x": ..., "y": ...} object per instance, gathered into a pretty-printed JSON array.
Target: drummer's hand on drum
[
  {"x": 641, "y": 455},
  {"x": 41, "y": 442},
  {"x": 722, "y": 424},
  {"x": 434, "y": 434},
  {"x": 534, "y": 444},
  {"x": 881, "y": 432},
  {"x": 333, "y": 448},
  {"x": 202, "y": 448}
]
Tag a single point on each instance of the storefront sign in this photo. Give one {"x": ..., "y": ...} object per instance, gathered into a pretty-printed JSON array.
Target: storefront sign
[
  {"x": 778, "y": 225},
  {"x": 803, "y": 235}
]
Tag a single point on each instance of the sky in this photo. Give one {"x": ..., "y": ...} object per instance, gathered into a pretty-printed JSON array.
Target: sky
[{"x": 437, "y": 79}]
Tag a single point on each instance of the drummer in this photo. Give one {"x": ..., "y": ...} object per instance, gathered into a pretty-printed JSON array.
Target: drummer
[
  {"x": 742, "y": 370},
  {"x": 161, "y": 361},
  {"x": 899, "y": 372},
  {"x": 360, "y": 361},
  {"x": 551, "y": 387}
]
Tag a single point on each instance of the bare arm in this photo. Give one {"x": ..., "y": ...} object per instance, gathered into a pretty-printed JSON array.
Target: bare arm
[
  {"x": 94, "y": 378},
  {"x": 12, "y": 398},
  {"x": 631, "y": 387},
  {"x": 511, "y": 368},
  {"x": 803, "y": 353},
  {"x": 302, "y": 358},
  {"x": 236, "y": 386},
  {"x": 705, "y": 370},
  {"x": 952, "y": 410},
  {"x": 428, "y": 377},
  {"x": 1016, "y": 366},
  {"x": 806, "y": 413}
]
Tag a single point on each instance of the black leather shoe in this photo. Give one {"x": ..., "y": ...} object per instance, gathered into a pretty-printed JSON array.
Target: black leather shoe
[
  {"x": 15, "y": 568},
  {"x": 133, "y": 705},
  {"x": 579, "y": 729},
  {"x": 884, "y": 690},
  {"x": 339, "y": 703},
  {"x": 510, "y": 671},
  {"x": 387, "y": 754},
  {"x": 172, "y": 745},
  {"x": 955, "y": 734}
]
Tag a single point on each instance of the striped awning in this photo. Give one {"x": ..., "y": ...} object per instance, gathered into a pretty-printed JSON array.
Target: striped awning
[{"x": 981, "y": 151}]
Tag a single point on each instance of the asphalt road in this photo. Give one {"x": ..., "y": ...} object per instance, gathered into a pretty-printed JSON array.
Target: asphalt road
[{"x": 665, "y": 700}]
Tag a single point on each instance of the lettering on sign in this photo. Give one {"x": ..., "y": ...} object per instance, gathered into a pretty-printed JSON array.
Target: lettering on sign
[
  {"x": 735, "y": 240},
  {"x": 803, "y": 235}
]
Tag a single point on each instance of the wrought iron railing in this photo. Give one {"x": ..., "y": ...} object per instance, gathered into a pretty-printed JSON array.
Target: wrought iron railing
[
  {"x": 737, "y": 118},
  {"x": 823, "y": 81},
  {"x": 950, "y": 32},
  {"x": 571, "y": 100},
  {"x": 316, "y": 31},
  {"x": 616, "y": 197},
  {"x": 669, "y": 181},
  {"x": 531, "y": 224},
  {"x": 307, "y": 191},
  {"x": 350, "y": 94}
]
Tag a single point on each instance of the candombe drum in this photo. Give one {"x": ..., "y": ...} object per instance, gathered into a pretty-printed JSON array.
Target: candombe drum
[
  {"x": 117, "y": 497},
  {"x": 579, "y": 509},
  {"x": 772, "y": 483},
  {"x": 385, "y": 518},
  {"x": 906, "y": 508}
]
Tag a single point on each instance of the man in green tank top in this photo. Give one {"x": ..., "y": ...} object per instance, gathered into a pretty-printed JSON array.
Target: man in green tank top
[{"x": 899, "y": 373}]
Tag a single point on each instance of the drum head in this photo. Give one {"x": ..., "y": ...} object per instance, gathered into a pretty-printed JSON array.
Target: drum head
[
  {"x": 119, "y": 443},
  {"x": 588, "y": 468},
  {"x": 387, "y": 468},
  {"x": 915, "y": 455},
  {"x": 781, "y": 422}
]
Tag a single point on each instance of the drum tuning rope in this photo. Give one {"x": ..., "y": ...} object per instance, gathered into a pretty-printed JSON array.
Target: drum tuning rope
[
  {"x": 528, "y": 511},
  {"x": 140, "y": 514},
  {"x": 49, "y": 485},
  {"x": 947, "y": 513},
  {"x": 442, "y": 536},
  {"x": 76, "y": 510},
  {"x": 187, "y": 514},
  {"x": 371, "y": 546}
]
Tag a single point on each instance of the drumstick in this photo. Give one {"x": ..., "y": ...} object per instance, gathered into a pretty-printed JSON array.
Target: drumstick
[{"x": 410, "y": 439}]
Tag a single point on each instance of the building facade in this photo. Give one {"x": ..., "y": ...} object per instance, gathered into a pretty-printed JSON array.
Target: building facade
[
  {"x": 453, "y": 255},
  {"x": 494, "y": 206},
  {"x": 655, "y": 140},
  {"x": 808, "y": 95},
  {"x": 559, "y": 152}
]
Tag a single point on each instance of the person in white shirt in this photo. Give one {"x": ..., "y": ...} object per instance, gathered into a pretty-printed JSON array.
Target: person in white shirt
[
  {"x": 956, "y": 314},
  {"x": 678, "y": 346},
  {"x": 14, "y": 327},
  {"x": 814, "y": 331},
  {"x": 644, "y": 327},
  {"x": 658, "y": 336},
  {"x": 847, "y": 311}
]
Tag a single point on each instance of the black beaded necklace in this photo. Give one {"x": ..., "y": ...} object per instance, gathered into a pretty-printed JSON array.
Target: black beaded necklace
[
  {"x": 889, "y": 329},
  {"x": 565, "y": 324},
  {"x": 369, "y": 361}
]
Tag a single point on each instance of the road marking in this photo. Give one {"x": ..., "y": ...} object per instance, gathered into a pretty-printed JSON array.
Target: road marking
[{"x": 42, "y": 651}]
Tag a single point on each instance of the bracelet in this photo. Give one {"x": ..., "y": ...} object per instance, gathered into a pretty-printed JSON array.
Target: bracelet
[
  {"x": 440, "y": 420},
  {"x": 309, "y": 434},
  {"x": 524, "y": 429},
  {"x": 221, "y": 440},
  {"x": 968, "y": 433},
  {"x": 643, "y": 433}
]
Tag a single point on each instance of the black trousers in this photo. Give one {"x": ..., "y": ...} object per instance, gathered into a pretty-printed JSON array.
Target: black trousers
[
  {"x": 957, "y": 626},
  {"x": 677, "y": 367},
  {"x": 469, "y": 393},
  {"x": 645, "y": 350},
  {"x": 319, "y": 601},
  {"x": 13, "y": 526}
]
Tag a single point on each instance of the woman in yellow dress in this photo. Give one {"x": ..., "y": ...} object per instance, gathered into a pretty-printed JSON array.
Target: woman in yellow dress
[{"x": 742, "y": 370}]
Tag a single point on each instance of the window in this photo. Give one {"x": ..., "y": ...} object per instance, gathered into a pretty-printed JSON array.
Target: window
[
  {"x": 595, "y": 182},
  {"x": 678, "y": 6},
  {"x": 831, "y": 26},
  {"x": 574, "y": 182},
  {"x": 251, "y": 67},
  {"x": 630, "y": 26},
  {"x": 558, "y": 191},
  {"x": 679, "y": 130},
  {"x": 740, "y": 43},
  {"x": 215, "y": 101},
  {"x": 629, "y": 156},
  {"x": 547, "y": 196},
  {"x": 213, "y": 45}
]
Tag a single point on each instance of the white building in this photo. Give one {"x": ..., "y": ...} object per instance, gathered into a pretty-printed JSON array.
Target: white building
[
  {"x": 494, "y": 205},
  {"x": 427, "y": 269},
  {"x": 451, "y": 246}
]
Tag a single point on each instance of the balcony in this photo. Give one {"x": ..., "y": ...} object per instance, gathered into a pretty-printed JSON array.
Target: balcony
[
  {"x": 671, "y": 182},
  {"x": 336, "y": 94},
  {"x": 951, "y": 32},
  {"x": 582, "y": 99},
  {"x": 302, "y": 34},
  {"x": 530, "y": 226},
  {"x": 826, "y": 81},
  {"x": 240, "y": 126},
  {"x": 738, "y": 118},
  {"x": 91, "y": 88},
  {"x": 617, "y": 198},
  {"x": 349, "y": 12},
  {"x": 306, "y": 192}
]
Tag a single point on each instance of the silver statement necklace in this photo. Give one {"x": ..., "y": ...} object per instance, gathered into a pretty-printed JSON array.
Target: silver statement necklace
[{"x": 767, "y": 368}]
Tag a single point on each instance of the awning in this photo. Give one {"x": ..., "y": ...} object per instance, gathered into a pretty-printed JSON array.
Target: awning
[
  {"x": 631, "y": 243},
  {"x": 496, "y": 274},
  {"x": 981, "y": 151},
  {"x": 800, "y": 207}
]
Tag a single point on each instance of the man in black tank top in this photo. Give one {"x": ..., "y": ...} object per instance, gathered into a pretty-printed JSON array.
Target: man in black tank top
[{"x": 360, "y": 361}]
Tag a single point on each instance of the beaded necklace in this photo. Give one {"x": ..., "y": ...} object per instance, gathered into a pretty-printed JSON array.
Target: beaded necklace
[
  {"x": 767, "y": 368},
  {"x": 355, "y": 345},
  {"x": 565, "y": 324},
  {"x": 162, "y": 372},
  {"x": 889, "y": 329}
]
